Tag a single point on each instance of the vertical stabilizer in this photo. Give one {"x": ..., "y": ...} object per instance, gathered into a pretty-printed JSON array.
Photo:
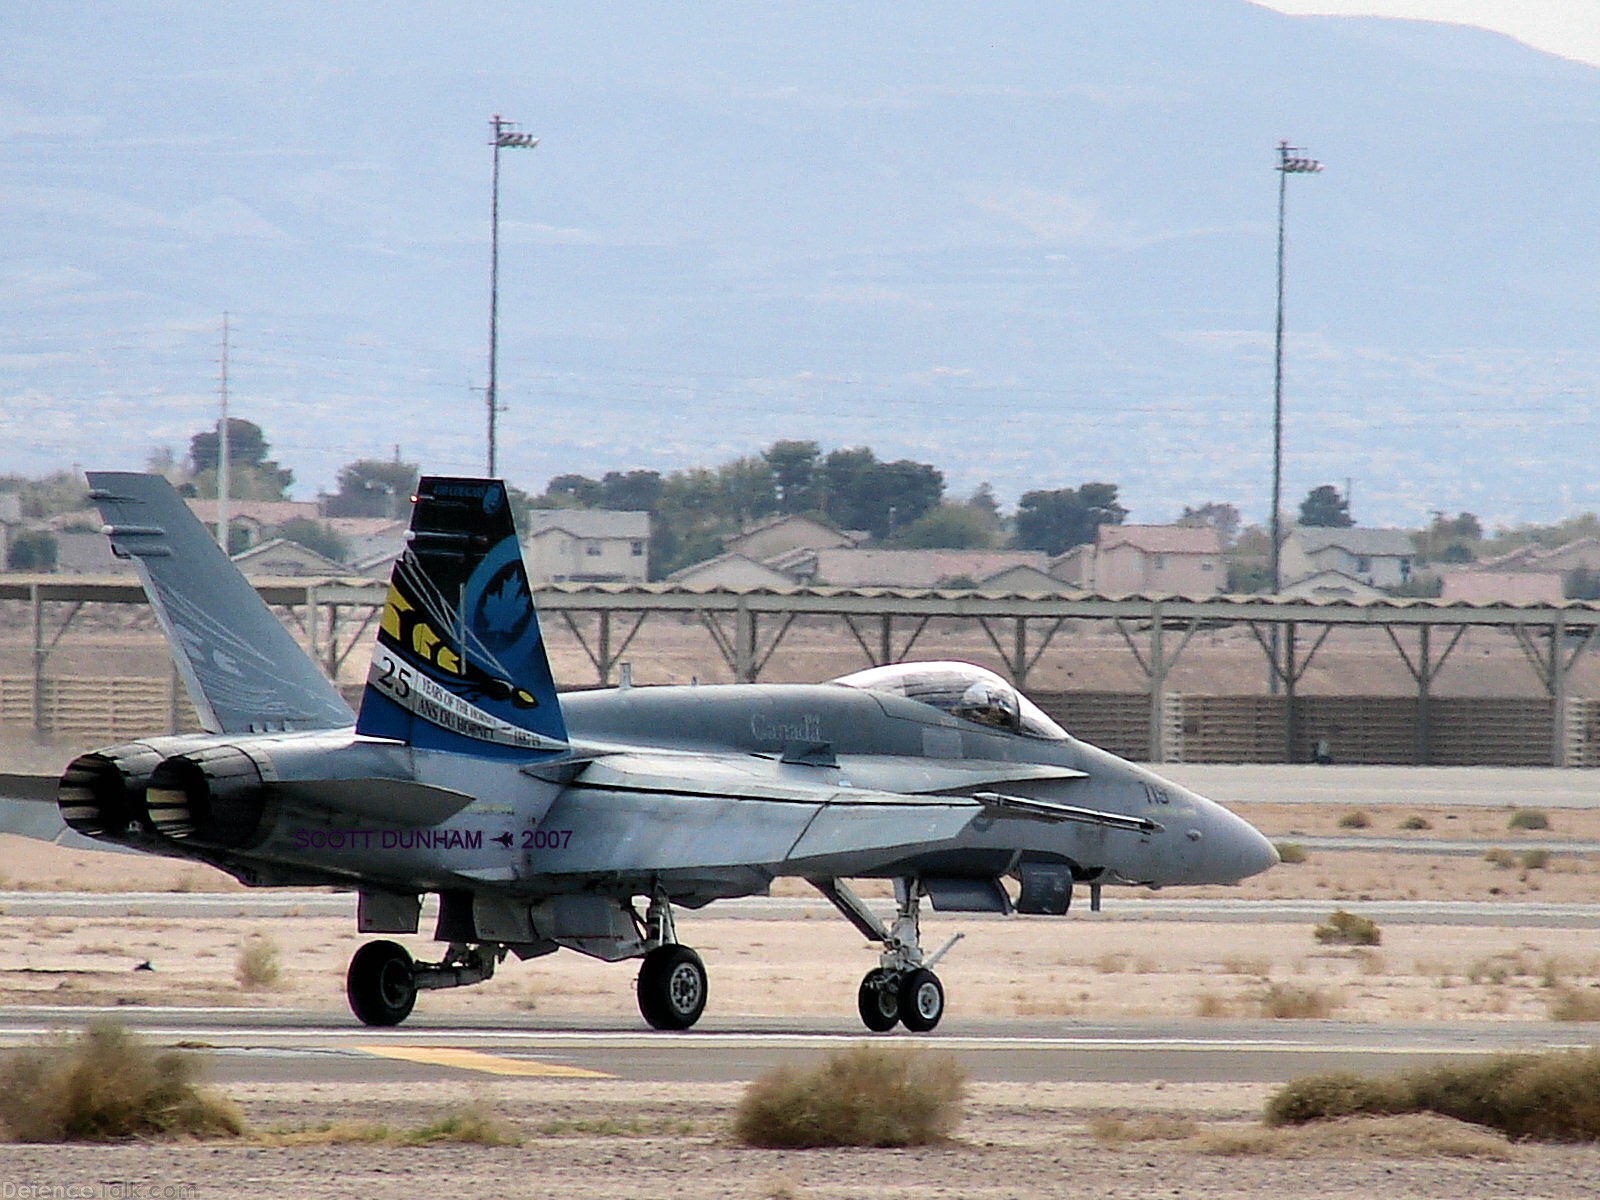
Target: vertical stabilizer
[
  {"x": 242, "y": 669},
  {"x": 460, "y": 662}
]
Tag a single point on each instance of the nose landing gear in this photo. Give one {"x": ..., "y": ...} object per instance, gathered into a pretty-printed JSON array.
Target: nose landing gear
[{"x": 902, "y": 989}]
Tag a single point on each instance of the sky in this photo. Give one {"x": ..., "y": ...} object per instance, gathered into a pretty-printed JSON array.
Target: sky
[
  {"x": 1570, "y": 28},
  {"x": 930, "y": 289}
]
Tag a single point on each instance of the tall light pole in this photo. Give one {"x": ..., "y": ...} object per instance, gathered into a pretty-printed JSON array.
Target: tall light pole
[
  {"x": 505, "y": 136},
  {"x": 1291, "y": 161}
]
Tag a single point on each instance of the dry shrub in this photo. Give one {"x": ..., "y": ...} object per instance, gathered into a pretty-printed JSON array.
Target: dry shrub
[
  {"x": 1500, "y": 857},
  {"x": 866, "y": 1095},
  {"x": 1534, "y": 860},
  {"x": 1414, "y": 1136},
  {"x": 1111, "y": 1129},
  {"x": 258, "y": 966},
  {"x": 1369, "y": 962},
  {"x": 1416, "y": 822},
  {"x": 1347, "y": 929},
  {"x": 1283, "y": 1001},
  {"x": 1528, "y": 818},
  {"x": 108, "y": 1085},
  {"x": 474, "y": 1124},
  {"x": 337, "y": 1133},
  {"x": 1548, "y": 1097},
  {"x": 1290, "y": 853},
  {"x": 1571, "y": 1004},
  {"x": 1209, "y": 1004},
  {"x": 1333, "y": 1094},
  {"x": 1355, "y": 820}
]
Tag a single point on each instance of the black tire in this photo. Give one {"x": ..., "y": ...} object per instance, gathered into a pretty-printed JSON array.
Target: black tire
[
  {"x": 878, "y": 1000},
  {"x": 921, "y": 1000},
  {"x": 379, "y": 984},
  {"x": 672, "y": 987}
]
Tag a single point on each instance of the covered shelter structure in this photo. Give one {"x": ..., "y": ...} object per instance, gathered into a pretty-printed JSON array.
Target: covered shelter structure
[{"x": 748, "y": 626}]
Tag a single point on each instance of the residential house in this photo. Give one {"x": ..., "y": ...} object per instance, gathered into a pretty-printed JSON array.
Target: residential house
[
  {"x": 779, "y": 536},
  {"x": 586, "y": 545},
  {"x": 1502, "y": 587},
  {"x": 367, "y": 538},
  {"x": 853, "y": 568},
  {"x": 1331, "y": 585},
  {"x": 1075, "y": 566},
  {"x": 1177, "y": 560},
  {"x": 1381, "y": 558},
  {"x": 255, "y": 521},
  {"x": 1580, "y": 554},
  {"x": 88, "y": 552},
  {"x": 279, "y": 558},
  {"x": 1021, "y": 579},
  {"x": 1125, "y": 560},
  {"x": 735, "y": 571}
]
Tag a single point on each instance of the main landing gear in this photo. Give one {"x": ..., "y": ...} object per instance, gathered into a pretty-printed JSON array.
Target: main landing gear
[
  {"x": 672, "y": 979},
  {"x": 383, "y": 980},
  {"x": 902, "y": 989}
]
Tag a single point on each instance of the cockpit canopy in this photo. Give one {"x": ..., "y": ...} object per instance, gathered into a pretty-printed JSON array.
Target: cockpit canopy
[{"x": 962, "y": 690}]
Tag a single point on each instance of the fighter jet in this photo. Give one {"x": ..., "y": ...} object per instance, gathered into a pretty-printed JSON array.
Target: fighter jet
[{"x": 583, "y": 821}]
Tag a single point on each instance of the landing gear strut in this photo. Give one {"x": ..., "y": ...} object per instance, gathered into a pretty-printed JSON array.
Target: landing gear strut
[{"x": 902, "y": 989}]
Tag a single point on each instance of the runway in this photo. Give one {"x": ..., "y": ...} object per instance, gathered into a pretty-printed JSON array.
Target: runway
[{"x": 264, "y": 1045}]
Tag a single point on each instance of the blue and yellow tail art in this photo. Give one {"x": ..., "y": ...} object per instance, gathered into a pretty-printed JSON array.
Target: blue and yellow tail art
[{"x": 460, "y": 663}]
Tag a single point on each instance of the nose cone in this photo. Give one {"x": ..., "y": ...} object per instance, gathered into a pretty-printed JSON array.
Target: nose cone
[
  {"x": 1231, "y": 849},
  {"x": 1254, "y": 853}
]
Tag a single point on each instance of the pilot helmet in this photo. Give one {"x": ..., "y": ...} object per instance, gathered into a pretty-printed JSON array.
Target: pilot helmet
[{"x": 990, "y": 704}]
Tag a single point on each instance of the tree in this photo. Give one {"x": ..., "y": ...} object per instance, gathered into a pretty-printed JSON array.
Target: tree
[
  {"x": 630, "y": 491},
  {"x": 1325, "y": 508},
  {"x": 58, "y": 492},
  {"x": 949, "y": 526},
  {"x": 373, "y": 487},
  {"x": 315, "y": 535},
  {"x": 1451, "y": 539},
  {"x": 251, "y": 474},
  {"x": 794, "y": 473},
  {"x": 687, "y": 527},
  {"x": 574, "y": 491},
  {"x": 859, "y": 492},
  {"x": 1055, "y": 521},
  {"x": 31, "y": 550},
  {"x": 1581, "y": 584},
  {"x": 1224, "y": 518},
  {"x": 982, "y": 501}
]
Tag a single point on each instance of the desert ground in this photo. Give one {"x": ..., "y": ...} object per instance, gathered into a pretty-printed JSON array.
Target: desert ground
[{"x": 613, "y": 1138}]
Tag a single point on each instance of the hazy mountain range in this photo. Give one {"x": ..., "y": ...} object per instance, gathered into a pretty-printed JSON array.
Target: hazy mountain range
[{"x": 1030, "y": 242}]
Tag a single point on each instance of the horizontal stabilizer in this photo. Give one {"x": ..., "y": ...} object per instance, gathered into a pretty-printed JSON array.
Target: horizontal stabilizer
[{"x": 1045, "y": 810}]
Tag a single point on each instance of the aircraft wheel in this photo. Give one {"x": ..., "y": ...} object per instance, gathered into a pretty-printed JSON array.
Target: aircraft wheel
[
  {"x": 379, "y": 984},
  {"x": 672, "y": 987},
  {"x": 878, "y": 1001},
  {"x": 921, "y": 1000}
]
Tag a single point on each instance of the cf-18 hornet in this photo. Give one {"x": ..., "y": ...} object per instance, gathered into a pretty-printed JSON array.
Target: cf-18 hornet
[{"x": 583, "y": 821}]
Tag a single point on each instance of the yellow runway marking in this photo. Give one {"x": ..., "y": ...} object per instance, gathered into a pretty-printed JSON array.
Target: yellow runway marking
[{"x": 474, "y": 1060}]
